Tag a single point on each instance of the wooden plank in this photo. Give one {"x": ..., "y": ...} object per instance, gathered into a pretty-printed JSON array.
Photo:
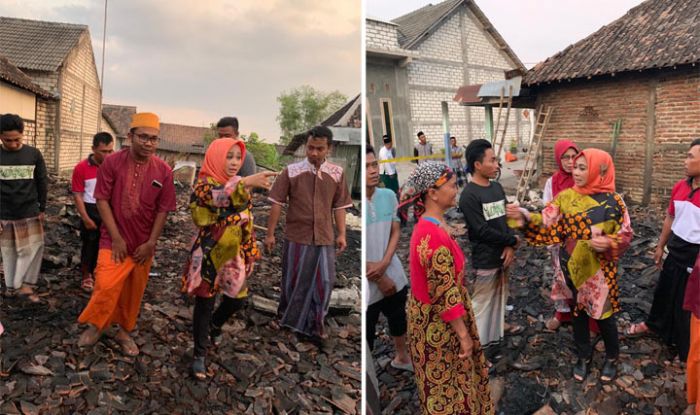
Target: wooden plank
[{"x": 649, "y": 142}]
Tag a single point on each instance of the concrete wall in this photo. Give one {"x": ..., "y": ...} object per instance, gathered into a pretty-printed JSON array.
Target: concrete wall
[
  {"x": 14, "y": 100},
  {"x": 459, "y": 52},
  {"x": 660, "y": 115}
]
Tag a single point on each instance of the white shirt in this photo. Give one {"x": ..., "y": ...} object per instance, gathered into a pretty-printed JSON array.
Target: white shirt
[{"x": 386, "y": 154}]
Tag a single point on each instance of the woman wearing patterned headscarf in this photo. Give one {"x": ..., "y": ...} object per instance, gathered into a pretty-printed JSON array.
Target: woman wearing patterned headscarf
[
  {"x": 450, "y": 367},
  {"x": 591, "y": 223}
]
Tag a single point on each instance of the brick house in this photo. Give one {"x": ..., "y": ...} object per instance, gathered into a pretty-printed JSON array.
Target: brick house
[
  {"x": 419, "y": 60},
  {"x": 178, "y": 142},
  {"x": 641, "y": 70},
  {"x": 20, "y": 95},
  {"x": 59, "y": 58}
]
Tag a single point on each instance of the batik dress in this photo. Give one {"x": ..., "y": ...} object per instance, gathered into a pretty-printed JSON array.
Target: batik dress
[
  {"x": 446, "y": 384},
  {"x": 571, "y": 220},
  {"x": 225, "y": 242}
]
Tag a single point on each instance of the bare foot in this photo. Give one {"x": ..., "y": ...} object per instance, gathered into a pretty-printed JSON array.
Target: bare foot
[
  {"x": 552, "y": 324},
  {"x": 690, "y": 410}
]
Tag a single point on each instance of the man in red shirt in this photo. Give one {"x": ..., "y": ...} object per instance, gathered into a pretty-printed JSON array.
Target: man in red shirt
[
  {"x": 134, "y": 193},
  {"x": 681, "y": 235},
  {"x": 83, "y": 187}
]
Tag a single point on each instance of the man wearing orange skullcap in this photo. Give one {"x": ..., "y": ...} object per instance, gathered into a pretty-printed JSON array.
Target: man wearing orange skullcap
[{"x": 134, "y": 194}]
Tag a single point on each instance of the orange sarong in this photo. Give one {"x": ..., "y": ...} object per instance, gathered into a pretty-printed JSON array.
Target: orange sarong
[
  {"x": 694, "y": 364},
  {"x": 118, "y": 291}
]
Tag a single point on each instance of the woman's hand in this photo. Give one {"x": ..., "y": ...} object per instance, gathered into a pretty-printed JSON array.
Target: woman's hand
[
  {"x": 600, "y": 243},
  {"x": 466, "y": 347},
  {"x": 259, "y": 180},
  {"x": 513, "y": 211}
]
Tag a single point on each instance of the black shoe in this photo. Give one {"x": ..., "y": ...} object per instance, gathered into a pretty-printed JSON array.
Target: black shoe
[
  {"x": 581, "y": 369},
  {"x": 609, "y": 370}
]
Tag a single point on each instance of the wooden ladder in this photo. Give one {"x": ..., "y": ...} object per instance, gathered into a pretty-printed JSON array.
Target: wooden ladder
[
  {"x": 543, "y": 114},
  {"x": 508, "y": 101}
]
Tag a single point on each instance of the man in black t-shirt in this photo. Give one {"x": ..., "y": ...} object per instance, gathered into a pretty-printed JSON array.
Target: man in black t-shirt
[
  {"x": 483, "y": 203},
  {"x": 23, "y": 188}
]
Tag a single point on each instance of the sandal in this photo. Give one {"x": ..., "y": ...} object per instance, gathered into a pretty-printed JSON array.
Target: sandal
[
  {"x": 199, "y": 370},
  {"x": 127, "y": 345},
  {"x": 636, "y": 330},
  {"x": 609, "y": 370},
  {"x": 10, "y": 293},
  {"x": 88, "y": 284},
  {"x": 89, "y": 337},
  {"x": 581, "y": 369},
  {"x": 512, "y": 329},
  {"x": 216, "y": 335},
  {"x": 552, "y": 324},
  {"x": 28, "y": 294}
]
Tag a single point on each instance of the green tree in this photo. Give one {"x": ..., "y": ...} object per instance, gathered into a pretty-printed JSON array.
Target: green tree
[
  {"x": 210, "y": 134},
  {"x": 303, "y": 107},
  {"x": 265, "y": 154}
]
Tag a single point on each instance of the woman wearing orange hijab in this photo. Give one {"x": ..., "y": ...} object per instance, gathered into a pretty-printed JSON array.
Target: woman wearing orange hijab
[
  {"x": 591, "y": 223},
  {"x": 224, "y": 248}
]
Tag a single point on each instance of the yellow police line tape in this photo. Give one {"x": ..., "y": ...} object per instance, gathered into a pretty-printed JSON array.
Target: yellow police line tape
[{"x": 402, "y": 159}]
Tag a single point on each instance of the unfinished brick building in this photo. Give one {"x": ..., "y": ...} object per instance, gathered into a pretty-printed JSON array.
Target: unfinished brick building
[{"x": 641, "y": 71}]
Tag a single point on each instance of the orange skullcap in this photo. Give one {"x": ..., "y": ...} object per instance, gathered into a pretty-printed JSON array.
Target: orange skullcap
[{"x": 145, "y": 119}]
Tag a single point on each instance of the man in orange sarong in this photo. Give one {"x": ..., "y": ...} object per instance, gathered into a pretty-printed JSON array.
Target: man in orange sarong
[{"x": 134, "y": 194}]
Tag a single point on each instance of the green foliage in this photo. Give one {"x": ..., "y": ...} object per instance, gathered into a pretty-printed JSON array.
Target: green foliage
[
  {"x": 265, "y": 154},
  {"x": 304, "y": 107},
  {"x": 210, "y": 134}
]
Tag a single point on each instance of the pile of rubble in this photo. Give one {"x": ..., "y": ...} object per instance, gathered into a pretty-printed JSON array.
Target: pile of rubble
[
  {"x": 532, "y": 371},
  {"x": 258, "y": 369}
]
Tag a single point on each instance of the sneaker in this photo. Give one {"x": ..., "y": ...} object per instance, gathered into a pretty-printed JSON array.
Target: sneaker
[{"x": 199, "y": 370}]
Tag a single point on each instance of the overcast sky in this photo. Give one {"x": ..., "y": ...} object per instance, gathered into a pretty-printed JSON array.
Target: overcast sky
[
  {"x": 534, "y": 29},
  {"x": 195, "y": 61}
]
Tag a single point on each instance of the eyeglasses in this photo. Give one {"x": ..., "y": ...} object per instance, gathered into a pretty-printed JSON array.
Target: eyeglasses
[
  {"x": 145, "y": 138},
  {"x": 567, "y": 158}
]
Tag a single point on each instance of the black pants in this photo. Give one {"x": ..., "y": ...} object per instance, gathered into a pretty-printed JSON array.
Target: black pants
[
  {"x": 394, "y": 308},
  {"x": 667, "y": 318},
  {"x": 205, "y": 319},
  {"x": 90, "y": 239},
  {"x": 582, "y": 336}
]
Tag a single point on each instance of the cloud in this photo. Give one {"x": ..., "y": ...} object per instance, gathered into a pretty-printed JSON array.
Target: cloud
[{"x": 205, "y": 59}]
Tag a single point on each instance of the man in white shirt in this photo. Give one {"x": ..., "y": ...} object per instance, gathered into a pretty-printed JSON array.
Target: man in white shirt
[{"x": 387, "y": 171}]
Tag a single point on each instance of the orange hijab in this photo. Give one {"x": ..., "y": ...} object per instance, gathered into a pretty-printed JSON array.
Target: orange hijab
[
  {"x": 601, "y": 172},
  {"x": 214, "y": 164}
]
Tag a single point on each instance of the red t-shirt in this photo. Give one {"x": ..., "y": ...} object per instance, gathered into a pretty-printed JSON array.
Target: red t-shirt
[
  {"x": 136, "y": 193},
  {"x": 84, "y": 179},
  {"x": 684, "y": 207}
]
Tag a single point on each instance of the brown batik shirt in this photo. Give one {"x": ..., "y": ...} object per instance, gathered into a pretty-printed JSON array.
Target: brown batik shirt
[{"x": 312, "y": 195}]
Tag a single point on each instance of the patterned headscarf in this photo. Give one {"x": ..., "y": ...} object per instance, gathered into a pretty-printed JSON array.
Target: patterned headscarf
[{"x": 423, "y": 178}]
